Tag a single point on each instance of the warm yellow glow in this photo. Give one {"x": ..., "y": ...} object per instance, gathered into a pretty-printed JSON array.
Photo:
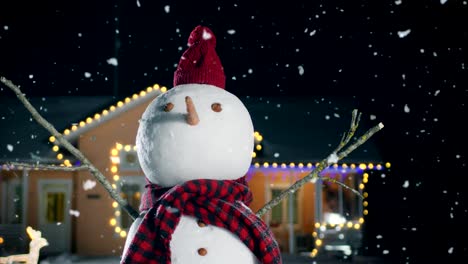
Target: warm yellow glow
[
  {"x": 52, "y": 139},
  {"x": 335, "y": 166},
  {"x": 89, "y": 120},
  {"x": 258, "y": 147},
  {"x": 137, "y": 195},
  {"x": 142, "y": 93},
  {"x": 317, "y": 225},
  {"x": 1, "y": 240},
  {"x": 274, "y": 165},
  {"x": 283, "y": 166},
  {"x": 156, "y": 86},
  {"x": 388, "y": 165},
  {"x": 366, "y": 175},
  {"x": 361, "y": 220},
  {"x": 300, "y": 165},
  {"x": 82, "y": 123},
  {"x": 265, "y": 165},
  {"x": 127, "y": 100},
  {"x": 114, "y": 169},
  {"x": 365, "y": 180},
  {"x": 256, "y": 134},
  {"x": 59, "y": 156},
  {"x": 365, "y": 194},
  {"x": 115, "y": 204},
  {"x": 115, "y": 160},
  {"x": 55, "y": 148},
  {"x": 97, "y": 116},
  {"x": 361, "y": 186},
  {"x": 114, "y": 152},
  {"x": 357, "y": 226},
  {"x": 117, "y": 213},
  {"x": 118, "y": 229},
  {"x": 112, "y": 108},
  {"x": 353, "y": 166},
  {"x": 163, "y": 89},
  {"x": 134, "y": 148},
  {"x": 365, "y": 203},
  {"x": 123, "y": 233},
  {"x": 135, "y": 96},
  {"x": 119, "y": 146},
  {"x": 292, "y": 165},
  {"x": 66, "y": 131},
  {"x": 127, "y": 148},
  {"x": 66, "y": 162},
  {"x": 112, "y": 222},
  {"x": 120, "y": 104},
  {"x": 349, "y": 224},
  {"x": 254, "y": 154},
  {"x": 309, "y": 165},
  {"x": 257, "y": 165},
  {"x": 379, "y": 167},
  {"x": 318, "y": 242},
  {"x": 149, "y": 89},
  {"x": 74, "y": 128},
  {"x": 341, "y": 225},
  {"x": 116, "y": 177},
  {"x": 362, "y": 166},
  {"x": 344, "y": 166},
  {"x": 259, "y": 138},
  {"x": 314, "y": 234},
  {"x": 114, "y": 186},
  {"x": 105, "y": 112},
  {"x": 370, "y": 166},
  {"x": 365, "y": 212}
]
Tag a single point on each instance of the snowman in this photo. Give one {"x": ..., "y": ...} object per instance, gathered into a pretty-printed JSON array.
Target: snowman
[{"x": 194, "y": 144}]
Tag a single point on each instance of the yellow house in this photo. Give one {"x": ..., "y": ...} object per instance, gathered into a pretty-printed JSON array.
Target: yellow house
[{"x": 77, "y": 215}]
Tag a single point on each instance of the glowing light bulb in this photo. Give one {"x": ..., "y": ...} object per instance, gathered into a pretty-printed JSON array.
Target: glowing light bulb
[
  {"x": 163, "y": 89},
  {"x": 66, "y": 131},
  {"x": 112, "y": 222},
  {"x": 55, "y": 148},
  {"x": 52, "y": 139}
]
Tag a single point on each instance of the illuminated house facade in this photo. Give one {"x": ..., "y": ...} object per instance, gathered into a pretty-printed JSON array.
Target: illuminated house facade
[{"x": 77, "y": 215}]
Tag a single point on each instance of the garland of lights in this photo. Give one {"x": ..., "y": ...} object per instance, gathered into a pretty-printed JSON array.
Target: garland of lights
[{"x": 115, "y": 160}]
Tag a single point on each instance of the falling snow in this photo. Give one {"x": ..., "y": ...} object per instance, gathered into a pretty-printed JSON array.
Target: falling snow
[
  {"x": 406, "y": 108},
  {"x": 113, "y": 61},
  {"x": 406, "y": 184},
  {"x": 276, "y": 155},
  {"x": 138, "y": 3},
  {"x": 404, "y": 33},
  {"x": 443, "y": 2},
  {"x": 301, "y": 70},
  {"x": 333, "y": 158},
  {"x": 87, "y": 75},
  {"x": 398, "y": 2},
  {"x": 5, "y": 27},
  {"x": 89, "y": 184},
  {"x": 231, "y": 32},
  {"x": 10, "y": 147},
  {"x": 74, "y": 213},
  {"x": 167, "y": 9},
  {"x": 450, "y": 250}
]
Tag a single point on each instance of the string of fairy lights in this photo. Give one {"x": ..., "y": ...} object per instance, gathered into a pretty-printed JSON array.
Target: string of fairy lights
[{"x": 320, "y": 228}]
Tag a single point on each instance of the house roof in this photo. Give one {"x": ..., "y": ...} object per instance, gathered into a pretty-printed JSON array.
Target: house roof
[{"x": 294, "y": 129}]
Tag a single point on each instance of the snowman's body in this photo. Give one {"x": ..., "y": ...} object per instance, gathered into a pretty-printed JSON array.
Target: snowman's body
[
  {"x": 171, "y": 151},
  {"x": 189, "y": 238}
]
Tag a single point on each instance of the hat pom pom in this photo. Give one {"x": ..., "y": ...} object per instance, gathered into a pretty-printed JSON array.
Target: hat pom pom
[{"x": 201, "y": 33}]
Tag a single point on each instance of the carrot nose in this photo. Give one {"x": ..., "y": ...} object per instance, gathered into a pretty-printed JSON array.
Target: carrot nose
[{"x": 192, "y": 116}]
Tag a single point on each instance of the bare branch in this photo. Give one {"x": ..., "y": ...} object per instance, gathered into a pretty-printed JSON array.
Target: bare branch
[
  {"x": 314, "y": 174},
  {"x": 67, "y": 145},
  {"x": 45, "y": 167}
]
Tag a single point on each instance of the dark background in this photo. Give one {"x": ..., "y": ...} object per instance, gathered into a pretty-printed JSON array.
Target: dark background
[{"x": 416, "y": 85}]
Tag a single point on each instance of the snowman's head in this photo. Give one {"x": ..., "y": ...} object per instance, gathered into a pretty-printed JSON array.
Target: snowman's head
[{"x": 195, "y": 131}]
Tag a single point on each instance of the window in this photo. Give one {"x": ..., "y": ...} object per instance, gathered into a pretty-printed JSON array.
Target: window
[
  {"x": 55, "y": 208},
  {"x": 131, "y": 189},
  {"x": 12, "y": 202},
  {"x": 280, "y": 213}
]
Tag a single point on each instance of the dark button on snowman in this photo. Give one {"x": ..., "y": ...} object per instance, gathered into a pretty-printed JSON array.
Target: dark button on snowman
[{"x": 194, "y": 145}]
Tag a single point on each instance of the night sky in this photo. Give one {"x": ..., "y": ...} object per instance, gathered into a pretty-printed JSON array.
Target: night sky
[{"x": 406, "y": 62}]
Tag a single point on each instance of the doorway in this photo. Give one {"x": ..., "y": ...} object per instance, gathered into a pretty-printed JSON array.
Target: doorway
[{"x": 53, "y": 214}]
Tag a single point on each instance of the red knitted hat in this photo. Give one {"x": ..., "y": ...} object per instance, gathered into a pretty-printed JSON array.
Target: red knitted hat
[{"x": 200, "y": 63}]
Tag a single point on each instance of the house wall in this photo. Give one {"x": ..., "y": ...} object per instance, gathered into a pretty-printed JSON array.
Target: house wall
[{"x": 94, "y": 235}]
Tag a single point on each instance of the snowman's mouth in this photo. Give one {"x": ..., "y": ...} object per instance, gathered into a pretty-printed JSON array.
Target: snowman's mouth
[{"x": 192, "y": 116}]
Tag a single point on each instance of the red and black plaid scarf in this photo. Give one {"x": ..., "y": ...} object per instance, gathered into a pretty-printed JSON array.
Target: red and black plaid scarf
[{"x": 218, "y": 203}]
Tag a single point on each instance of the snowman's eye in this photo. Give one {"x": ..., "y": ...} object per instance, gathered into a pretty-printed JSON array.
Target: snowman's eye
[
  {"x": 168, "y": 107},
  {"x": 216, "y": 107}
]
